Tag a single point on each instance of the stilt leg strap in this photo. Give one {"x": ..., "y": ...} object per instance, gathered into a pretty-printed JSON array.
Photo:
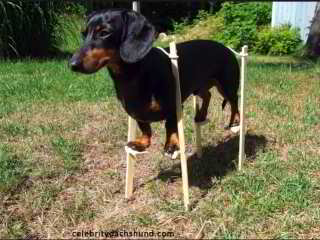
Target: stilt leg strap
[{"x": 133, "y": 152}]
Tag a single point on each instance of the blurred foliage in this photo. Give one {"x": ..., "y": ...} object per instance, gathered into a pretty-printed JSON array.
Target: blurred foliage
[
  {"x": 277, "y": 41},
  {"x": 27, "y": 28},
  {"x": 242, "y": 22}
]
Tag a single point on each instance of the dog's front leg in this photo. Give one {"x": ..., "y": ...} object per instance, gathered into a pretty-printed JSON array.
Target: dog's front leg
[
  {"x": 144, "y": 141},
  {"x": 172, "y": 140}
]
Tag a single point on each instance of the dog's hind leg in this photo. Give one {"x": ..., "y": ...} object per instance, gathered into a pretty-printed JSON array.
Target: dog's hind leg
[
  {"x": 172, "y": 139},
  {"x": 235, "y": 115},
  {"x": 201, "y": 115},
  {"x": 143, "y": 142},
  {"x": 232, "y": 98}
]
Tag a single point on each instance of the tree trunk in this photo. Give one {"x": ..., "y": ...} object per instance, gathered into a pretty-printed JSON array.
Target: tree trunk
[{"x": 313, "y": 41}]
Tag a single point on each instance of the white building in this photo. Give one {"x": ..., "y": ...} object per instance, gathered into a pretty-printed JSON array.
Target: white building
[{"x": 297, "y": 14}]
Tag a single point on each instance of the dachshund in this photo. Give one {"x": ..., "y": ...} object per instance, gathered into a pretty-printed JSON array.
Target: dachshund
[{"x": 122, "y": 41}]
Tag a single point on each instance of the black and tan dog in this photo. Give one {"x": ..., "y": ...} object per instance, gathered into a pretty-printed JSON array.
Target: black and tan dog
[{"x": 121, "y": 40}]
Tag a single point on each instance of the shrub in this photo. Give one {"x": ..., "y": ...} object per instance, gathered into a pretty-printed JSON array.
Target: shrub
[
  {"x": 277, "y": 41},
  {"x": 241, "y": 23},
  {"x": 27, "y": 28},
  {"x": 239, "y": 34},
  {"x": 75, "y": 8},
  {"x": 185, "y": 24},
  {"x": 70, "y": 24},
  {"x": 256, "y": 13}
]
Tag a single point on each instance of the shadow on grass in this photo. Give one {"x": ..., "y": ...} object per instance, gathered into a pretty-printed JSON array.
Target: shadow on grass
[{"x": 216, "y": 161}]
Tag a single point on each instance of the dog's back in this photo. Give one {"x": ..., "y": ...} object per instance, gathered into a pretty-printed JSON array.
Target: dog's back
[{"x": 202, "y": 65}]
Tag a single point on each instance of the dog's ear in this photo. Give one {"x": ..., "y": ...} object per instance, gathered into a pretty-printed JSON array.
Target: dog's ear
[
  {"x": 137, "y": 37},
  {"x": 91, "y": 15}
]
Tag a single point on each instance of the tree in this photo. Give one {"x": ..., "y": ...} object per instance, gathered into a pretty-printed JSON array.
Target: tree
[{"x": 313, "y": 41}]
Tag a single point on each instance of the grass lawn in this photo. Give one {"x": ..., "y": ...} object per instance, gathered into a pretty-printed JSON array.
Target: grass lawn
[{"x": 62, "y": 159}]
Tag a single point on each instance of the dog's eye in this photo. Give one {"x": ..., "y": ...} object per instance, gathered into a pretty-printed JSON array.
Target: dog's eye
[{"x": 104, "y": 34}]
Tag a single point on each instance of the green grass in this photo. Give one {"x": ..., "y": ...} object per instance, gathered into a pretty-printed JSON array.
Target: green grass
[
  {"x": 49, "y": 80},
  {"x": 311, "y": 113},
  {"x": 12, "y": 170},
  {"x": 14, "y": 129},
  {"x": 79, "y": 210},
  {"x": 69, "y": 151},
  {"x": 62, "y": 162}
]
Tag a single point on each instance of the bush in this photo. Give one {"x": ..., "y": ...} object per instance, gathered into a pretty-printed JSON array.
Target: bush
[
  {"x": 242, "y": 22},
  {"x": 67, "y": 32},
  {"x": 239, "y": 34},
  {"x": 75, "y": 8},
  {"x": 258, "y": 14},
  {"x": 277, "y": 41},
  {"x": 185, "y": 24},
  {"x": 70, "y": 23},
  {"x": 27, "y": 28}
]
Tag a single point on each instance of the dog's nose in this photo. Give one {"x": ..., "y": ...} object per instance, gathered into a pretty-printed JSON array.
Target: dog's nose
[{"x": 75, "y": 64}]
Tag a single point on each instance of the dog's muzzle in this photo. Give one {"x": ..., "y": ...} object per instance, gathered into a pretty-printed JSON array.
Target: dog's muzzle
[{"x": 75, "y": 63}]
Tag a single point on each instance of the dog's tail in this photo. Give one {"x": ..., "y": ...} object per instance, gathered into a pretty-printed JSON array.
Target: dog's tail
[{"x": 224, "y": 104}]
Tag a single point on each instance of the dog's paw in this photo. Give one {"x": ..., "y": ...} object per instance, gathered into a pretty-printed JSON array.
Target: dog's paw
[
  {"x": 203, "y": 122},
  {"x": 230, "y": 126},
  {"x": 200, "y": 118},
  {"x": 133, "y": 152},
  {"x": 137, "y": 146},
  {"x": 235, "y": 129},
  {"x": 171, "y": 151}
]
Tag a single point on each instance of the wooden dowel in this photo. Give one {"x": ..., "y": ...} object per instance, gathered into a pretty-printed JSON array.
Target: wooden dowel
[
  {"x": 136, "y": 6},
  {"x": 132, "y": 129},
  {"x": 244, "y": 55},
  {"x": 184, "y": 168}
]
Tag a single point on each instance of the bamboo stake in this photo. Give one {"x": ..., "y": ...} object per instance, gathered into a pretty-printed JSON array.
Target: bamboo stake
[
  {"x": 184, "y": 169},
  {"x": 132, "y": 129},
  {"x": 244, "y": 55},
  {"x": 136, "y": 6}
]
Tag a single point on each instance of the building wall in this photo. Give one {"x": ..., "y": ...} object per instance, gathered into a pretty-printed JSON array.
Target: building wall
[{"x": 297, "y": 14}]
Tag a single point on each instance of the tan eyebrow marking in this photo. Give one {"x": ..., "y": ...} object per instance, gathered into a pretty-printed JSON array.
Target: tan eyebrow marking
[{"x": 98, "y": 28}]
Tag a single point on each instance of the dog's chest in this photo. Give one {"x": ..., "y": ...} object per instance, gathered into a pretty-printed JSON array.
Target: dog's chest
[
  {"x": 140, "y": 101},
  {"x": 145, "y": 109}
]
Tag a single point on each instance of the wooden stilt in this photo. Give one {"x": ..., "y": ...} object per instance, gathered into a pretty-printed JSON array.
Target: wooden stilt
[
  {"x": 132, "y": 129},
  {"x": 184, "y": 169},
  {"x": 136, "y": 6},
  {"x": 244, "y": 55}
]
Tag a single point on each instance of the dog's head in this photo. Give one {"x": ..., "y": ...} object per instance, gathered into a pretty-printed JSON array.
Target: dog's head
[{"x": 110, "y": 36}]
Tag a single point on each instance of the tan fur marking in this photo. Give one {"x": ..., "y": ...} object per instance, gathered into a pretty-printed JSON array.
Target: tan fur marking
[
  {"x": 98, "y": 28},
  {"x": 144, "y": 140},
  {"x": 141, "y": 143},
  {"x": 154, "y": 106},
  {"x": 172, "y": 138},
  {"x": 98, "y": 57}
]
